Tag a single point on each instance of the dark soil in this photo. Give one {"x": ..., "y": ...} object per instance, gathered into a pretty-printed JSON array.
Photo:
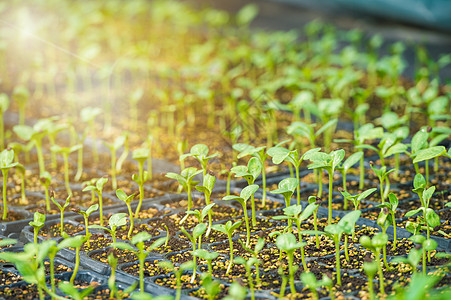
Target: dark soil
[
  {"x": 151, "y": 268},
  {"x": 8, "y": 277},
  {"x": 26, "y": 292},
  {"x": 55, "y": 230},
  {"x": 123, "y": 256},
  {"x": 170, "y": 281},
  {"x": 174, "y": 244}
]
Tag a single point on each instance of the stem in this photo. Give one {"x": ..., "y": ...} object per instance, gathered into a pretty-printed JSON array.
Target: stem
[
  {"x": 290, "y": 267},
  {"x": 141, "y": 188},
  {"x": 424, "y": 262},
  {"x": 370, "y": 288},
  {"x": 113, "y": 169},
  {"x": 178, "y": 293},
  {"x": 346, "y": 247},
  {"x": 231, "y": 255},
  {"x": 396, "y": 173},
  {"x": 229, "y": 176},
  {"x": 394, "y": 230},
  {"x": 320, "y": 183},
  {"x": 264, "y": 184},
  {"x": 436, "y": 164},
  {"x": 87, "y": 229},
  {"x": 362, "y": 174},
  {"x": 41, "y": 293},
  {"x": 61, "y": 221},
  {"x": 315, "y": 224},
  {"x": 35, "y": 230},
  {"x": 331, "y": 175},
  {"x": 77, "y": 263},
  {"x": 66, "y": 173},
  {"x": 141, "y": 272},
  {"x": 79, "y": 164},
  {"x": 131, "y": 220},
  {"x": 207, "y": 200},
  {"x": 426, "y": 169},
  {"x": 337, "y": 259},
  {"x": 387, "y": 187},
  {"x": 304, "y": 264},
  {"x": 254, "y": 219},
  {"x": 297, "y": 188},
  {"x": 190, "y": 200},
  {"x": 52, "y": 271},
  {"x": 47, "y": 200},
  {"x": 381, "y": 274},
  {"x": 246, "y": 219},
  {"x": 417, "y": 169},
  {"x": 382, "y": 190},
  {"x": 5, "y": 182},
  {"x": 99, "y": 194},
  {"x": 283, "y": 287}
]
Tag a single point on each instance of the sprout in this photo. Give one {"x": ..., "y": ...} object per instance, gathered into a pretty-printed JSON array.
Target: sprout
[
  {"x": 200, "y": 152},
  {"x": 98, "y": 188},
  {"x": 185, "y": 178},
  {"x": 228, "y": 229},
  {"x": 391, "y": 207},
  {"x": 197, "y": 234},
  {"x": 21, "y": 95},
  {"x": 66, "y": 151},
  {"x": 287, "y": 242},
  {"x": 114, "y": 222},
  {"x": 61, "y": 208},
  {"x": 6, "y": 163},
  {"x": 374, "y": 245},
  {"x": 178, "y": 273},
  {"x": 207, "y": 189},
  {"x": 37, "y": 223},
  {"x": 140, "y": 155},
  {"x": 4, "y": 104},
  {"x": 118, "y": 143},
  {"x": 127, "y": 200},
  {"x": 34, "y": 136},
  {"x": 86, "y": 215}
]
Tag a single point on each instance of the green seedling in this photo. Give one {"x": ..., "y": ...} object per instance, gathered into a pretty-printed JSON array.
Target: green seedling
[
  {"x": 245, "y": 194},
  {"x": 178, "y": 273},
  {"x": 421, "y": 287},
  {"x": 236, "y": 292},
  {"x": 384, "y": 220},
  {"x": 4, "y": 105},
  {"x": 53, "y": 129},
  {"x": 357, "y": 198},
  {"x": 88, "y": 114},
  {"x": 248, "y": 264},
  {"x": 284, "y": 283},
  {"x": 211, "y": 287},
  {"x": 197, "y": 235},
  {"x": 115, "y": 221},
  {"x": 296, "y": 214},
  {"x": 86, "y": 215},
  {"x": 207, "y": 189},
  {"x": 426, "y": 155},
  {"x": 208, "y": 256},
  {"x": 329, "y": 162},
  {"x": 182, "y": 146},
  {"x": 46, "y": 180},
  {"x": 286, "y": 187},
  {"x": 317, "y": 201},
  {"x": 21, "y": 170},
  {"x": 114, "y": 290},
  {"x": 61, "y": 208},
  {"x": 65, "y": 151},
  {"x": 21, "y": 96},
  {"x": 138, "y": 240},
  {"x": 310, "y": 282},
  {"x": 186, "y": 180},
  {"x": 370, "y": 268},
  {"x": 37, "y": 223},
  {"x": 347, "y": 223},
  {"x": 140, "y": 155},
  {"x": 228, "y": 229},
  {"x": 73, "y": 292},
  {"x": 74, "y": 242},
  {"x": 200, "y": 215},
  {"x": 308, "y": 130},
  {"x": 280, "y": 154},
  {"x": 118, "y": 143},
  {"x": 391, "y": 207},
  {"x": 127, "y": 200},
  {"x": 6, "y": 163},
  {"x": 375, "y": 245},
  {"x": 427, "y": 246},
  {"x": 363, "y": 133},
  {"x": 344, "y": 168},
  {"x": 254, "y": 252},
  {"x": 287, "y": 242},
  {"x": 250, "y": 173},
  {"x": 98, "y": 189},
  {"x": 200, "y": 152},
  {"x": 259, "y": 153},
  {"x": 414, "y": 257},
  {"x": 34, "y": 136},
  {"x": 382, "y": 174}
]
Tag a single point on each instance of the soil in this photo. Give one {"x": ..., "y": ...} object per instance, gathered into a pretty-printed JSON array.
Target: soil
[
  {"x": 122, "y": 232},
  {"x": 55, "y": 230},
  {"x": 123, "y": 256},
  {"x": 174, "y": 244},
  {"x": 26, "y": 292},
  {"x": 7, "y": 277},
  {"x": 13, "y": 215},
  {"x": 170, "y": 281},
  {"x": 151, "y": 268}
]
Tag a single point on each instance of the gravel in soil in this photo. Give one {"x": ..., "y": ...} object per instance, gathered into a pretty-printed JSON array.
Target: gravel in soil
[
  {"x": 58, "y": 268},
  {"x": 201, "y": 293},
  {"x": 8, "y": 277},
  {"x": 174, "y": 244},
  {"x": 97, "y": 241},
  {"x": 122, "y": 232},
  {"x": 182, "y": 257},
  {"x": 13, "y": 215},
  {"x": 123, "y": 256},
  {"x": 151, "y": 268},
  {"x": 26, "y": 292},
  {"x": 55, "y": 230},
  {"x": 170, "y": 281}
]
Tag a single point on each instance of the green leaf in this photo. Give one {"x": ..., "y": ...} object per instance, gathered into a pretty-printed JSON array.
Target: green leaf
[
  {"x": 254, "y": 167},
  {"x": 429, "y": 153},
  {"x": 287, "y": 242},
  {"x": 379, "y": 240},
  {"x": 248, "y": 191},
  {"x": 220, "y": 227},
  {"x": 92, "y": 209},
  {"x": 246, "y": 14},
  {"x": 352, "y": 160},
  {"x": 123, "y": 246},
  {"x": 432, "y": 218},
  {"x": 366, "y": 193},
  {"x": 419, "y": 141},
  {"x": 187, "y": 265},
  {"x": 393, "y": 201},
  {"x": 101, "y": 182},
  {"x": 118, "y": 219},
  {"x": 337, "y": 157},
  {"x": 199, "y": 230},
  {"x": 430, "y": 245},
  {"x": 157, "y": 243},
  {"x": 419, "y": 181},
  {"x": 427, "y": 194},
  {"x": 206, "y": 209},
  {"x": 398, "y": 148},
  {"x": 326, "y": 126},
  {"x": 141, "y": 237},
  {"x": 308, "y": 211},
  {"x": 418, "y": 239},
  {"x": 413, "y": 212},
  {"x": 121, "y": 195}
]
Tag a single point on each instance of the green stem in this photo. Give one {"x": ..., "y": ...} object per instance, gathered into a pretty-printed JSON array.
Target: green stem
[
  {"x": 304, "y": 264},
  {"x": 141, "y": 189},
  {"x": 77, "y": 263},
  {"x": 47, "y": 199},
  {"x": 246, "y": 219},
  {"x": 254, "y": 218},
  {"x": 5, "y": 183},
  {"x": 337, "y": 259},
  {"x": 66, "y": 173},
  {"x": 190, "y": 199},
  {"x": 297, "y": 188},
  {"x": 141, "y": 272},
  {"x": 426, "y": 169},
  {"x": 41, "y": 293},
  {"x": 131, "y": 220},
  {"x": 61, "y": 222},
  {"x": 370, "y": 288},
  {"x": 424, "y": 262},
  {"x": 381, "y": 274},
  {"x": 346, "y": 247},
  {"x": 79, "y": 164},
  {"x": 113, "y": 169},
  {"x": 264, "y": 184},
  {"x": 331, "y": 175},
  {"x": 362, "y": 174},
  {"x": 283, "y": 286},
  {"x": 178, "y": 293},
  {"x": 52, "y": 271},
  {"x": 290, "y": 268},
  {"x": 231, "y": 255},
  {"x": 99, "y": 194},
  {"x": 315, "y": 224},
  {"x": 394, "y": 230}
]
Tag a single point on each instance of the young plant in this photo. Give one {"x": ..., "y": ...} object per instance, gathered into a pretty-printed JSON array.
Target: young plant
[
  {"x": 309, "y": 281},
  {"x": 287, "y": 242},
  {"x": 124, "y": 154},
  {"x": 259, "y": 153},
  {"x": 186, "y": 180},
  {"x": 34, "y": 136},
  {"x": 37, "y": 223},
  {"x": 391, "y": 207},
  {"x": 211, "y": 287},
  {"x": 348, "y": 224},
  {"x": 200, "y": 152},
  {"x": 86, "y": 215},
  {"x": 138, "y": 240},
  {"x": 65, "y": 151},
  {"x": 280, "y": 154},
  {"x": 426, "y": 155},
  {"x": 6, "y": 163},
  {"x": 308, "y": 130},
  {"x": 115, "y": 221},
  {"x": 118, "y": 143},
  {"x": 415, "y": 255},
  {"x": 69, "y": 289},
  {"x": 178, "y": 273},
  {"x": 127, "y": 200},
  {"x": 329, "y": 162},
  {"x": 427, "y": 244},
  {"x": 375, "y": 245},
  {"x": 254, "y": 252},
  {"x": 242, "y": 199},
  {"x": 250, "y": 173},
  {"x": 140, "y": 155},
  {"x": 357, "y": 198},
  {"x": 114, "y": 291},
  {"x": 21, "y": 171},
  {"x": 98, "y": 188},
  {"x": 228, "y": 229},
  {"x": 207, "y": 189},
  {"x": 197, "y": 235},
  {"x": 61, "y": 208},
  {"x": 200, "y": 215},
  {"x": 208, "y": 256},
  {"x": 370, "y": 268},
  {"x": 286, "y": 188},
  {"x": 382, "y": 174},
  {"x": 248, "y": 264},
  {"x": 344, "y": 168},
  {"x": 74, "y": 242},
  {"x": 4, "y": 104}
]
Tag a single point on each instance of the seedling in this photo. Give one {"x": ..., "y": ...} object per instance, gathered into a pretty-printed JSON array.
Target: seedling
[
  {"x": 248, "y": 266},
  {"x": 124, "y": 154},
  {"x": 114, "y": 291},
  {"x": 98, "y": 188},
  {"x": 280, "y": 154},
  {"x": 200, "y": 152},
  {"x": 208, "y": 256},
  {"x": 426, "y": 155},
  {"x": 391, "y": 206},
  {"x": 370, "y": 268},
  {"x": 259, "y": 153},
  {"x": 357, "y": 198},
  {"x": 86, "y": 215},
  {"x": 6, "y": 163},
  {"x": 254, "y": 252},
  {"x": 65, "y": 151},
  {"x": 211, "y": 287},
  {"x": 4, "y": 104},
  {"x": 73, "y": 292},
  {"x": 74, "y": 242},
  {"x": 178, "y": 273},
  {"x": 287, "y": 242},
  {"x": 127, "y": 200},
  {"x": 200, "y": 215},
  {"x": 347, "y": 164},
  {"x": 207, "y": 189},
  {"x": 34, "y": 135},
  {"x": 286, "y": 188},
  {"x": 250, "y": 173},
  {"x": 138, "y": 240},
  {"x": 61, "y": 208},
  {"x": 375, "y": 245},
  {"x": 197, "y": 235},
  {"x": 310, "y": 282},
  {"x": 186, "y": 180},
  {"x": 118, "y": 143},
  {"x": 242, "y": 199},
  {"x": 329, "y": 162},
  {"x": 427, "y": 246},
  {"x": 382, "y": 174},
  {"x": 115, "y": 221},
  {"x": 37, "y": 223},
  {"x": 228, "y": 229},
  {"x": 414, "y": 256},
  {"x": 140, "y": 155},
  {"x": 317, "y": 201},
  {"x": 46, "y": 180}
]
